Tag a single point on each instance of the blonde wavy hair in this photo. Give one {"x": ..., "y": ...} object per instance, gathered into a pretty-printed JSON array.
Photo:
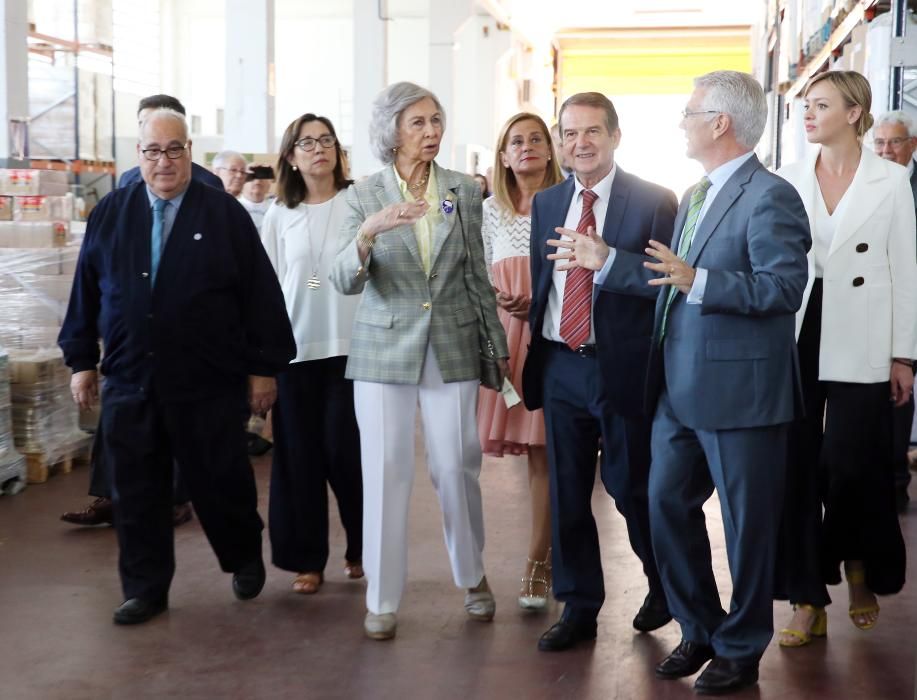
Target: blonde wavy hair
[{"x": 504, "y": 179}]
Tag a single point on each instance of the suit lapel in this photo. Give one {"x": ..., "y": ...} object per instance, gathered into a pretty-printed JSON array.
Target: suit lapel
[
  {"x": 728, "y": 194},
  {"x": 447, "y": 186},
  {"x": 617, "y": 202},
  {"x": 388, "y": 192},
  {"x": 555, "y": 215},
  {"x": 861, "y": 199}
]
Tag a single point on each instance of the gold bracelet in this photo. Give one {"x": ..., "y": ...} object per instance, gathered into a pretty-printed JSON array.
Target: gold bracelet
[{"x": 365, "y": 241}]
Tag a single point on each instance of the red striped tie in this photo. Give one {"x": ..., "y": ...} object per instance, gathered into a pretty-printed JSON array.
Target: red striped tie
[{"x": 576, "y": 312}]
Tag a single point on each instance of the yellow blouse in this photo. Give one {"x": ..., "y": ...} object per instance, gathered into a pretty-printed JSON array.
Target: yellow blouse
[{"x": 423, "y": 229}]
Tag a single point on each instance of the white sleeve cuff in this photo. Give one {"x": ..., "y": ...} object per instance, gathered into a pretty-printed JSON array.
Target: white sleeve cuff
[
  {"x": 696, "y": 295},
  {"x": 599, "y": 276}
]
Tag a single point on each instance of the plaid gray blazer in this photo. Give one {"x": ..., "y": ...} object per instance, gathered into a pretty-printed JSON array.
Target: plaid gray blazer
[{"x": 402, "y": 310}]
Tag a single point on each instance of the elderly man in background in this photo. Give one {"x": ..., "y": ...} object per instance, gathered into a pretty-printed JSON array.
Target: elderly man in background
[
  {"x": 173, "y": 277},
  {"x": 894, "y": 139},
  {"x": 232, "y": 169}
]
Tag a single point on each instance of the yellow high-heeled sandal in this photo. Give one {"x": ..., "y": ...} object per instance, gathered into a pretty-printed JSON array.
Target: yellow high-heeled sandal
[
  {"x": 857, "y": 577},
  {"x": 817, "y": 628}
]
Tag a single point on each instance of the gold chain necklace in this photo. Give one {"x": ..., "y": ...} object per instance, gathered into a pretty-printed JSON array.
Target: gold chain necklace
[{"x": 420, "y": 184}]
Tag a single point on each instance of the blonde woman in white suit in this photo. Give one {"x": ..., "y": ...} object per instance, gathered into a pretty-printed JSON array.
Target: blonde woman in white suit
[
  {"x": 856, "y": 336},
  {"x": 414, "y": 250}
]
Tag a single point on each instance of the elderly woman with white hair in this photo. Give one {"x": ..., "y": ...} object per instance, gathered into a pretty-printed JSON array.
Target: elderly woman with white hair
[
  {"x": 414, "y": 250},
  {"x": 232, "y": 168}
]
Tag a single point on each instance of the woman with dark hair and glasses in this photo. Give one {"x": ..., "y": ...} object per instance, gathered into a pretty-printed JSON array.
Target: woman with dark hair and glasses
[{"x": 316, "y": 439}]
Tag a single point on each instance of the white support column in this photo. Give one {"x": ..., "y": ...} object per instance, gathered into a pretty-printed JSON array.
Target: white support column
[
  {"x": 14, "y": 72},
  {"x": 370, "y": 75},
  {"x": 249, "y": 112},
  {"x": 445, "y": 20}
]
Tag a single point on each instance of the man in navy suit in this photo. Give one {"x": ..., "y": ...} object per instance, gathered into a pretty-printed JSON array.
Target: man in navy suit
[
  {"x": 724, "y": 380},
  {"x": 591, "y": 319},
  {"x": 172, "y": 275},
  {"x": 99, "y": 512}
]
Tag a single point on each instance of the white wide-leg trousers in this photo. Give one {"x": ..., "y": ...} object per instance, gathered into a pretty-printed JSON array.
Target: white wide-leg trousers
[{"x": 386, "y": 414}]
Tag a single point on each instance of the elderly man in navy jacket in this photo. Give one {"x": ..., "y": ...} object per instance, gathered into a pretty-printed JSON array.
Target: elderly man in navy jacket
[{"x": 174, "y": 279}]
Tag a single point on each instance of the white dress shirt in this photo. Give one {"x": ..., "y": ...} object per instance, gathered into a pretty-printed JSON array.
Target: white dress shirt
[
  {"x": 718, "y": 177},
  {"x": 550, "y": 329}
]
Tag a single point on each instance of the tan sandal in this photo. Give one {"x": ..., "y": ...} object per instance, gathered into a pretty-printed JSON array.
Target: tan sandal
[
  {"x": 353, "y": 569},
  {"x": 308, "y": 583}
]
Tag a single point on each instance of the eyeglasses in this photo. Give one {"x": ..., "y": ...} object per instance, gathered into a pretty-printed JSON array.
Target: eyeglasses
[
  {"x": 172, "y": 152},
  {"x": 234, "y": 171},
  {"x": 894, "y": 143},
  {"x": 685, "y": 113},
  {"x": 308, "y": 144}
]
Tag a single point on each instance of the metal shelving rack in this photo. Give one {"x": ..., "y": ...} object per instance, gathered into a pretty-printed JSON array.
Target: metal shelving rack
[{"x": 58, "y": 111}]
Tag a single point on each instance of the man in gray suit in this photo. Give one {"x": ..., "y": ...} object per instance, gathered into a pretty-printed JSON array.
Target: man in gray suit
[
  {"x": 725, "y": 383},
  {"x": 894, "y": 139}
]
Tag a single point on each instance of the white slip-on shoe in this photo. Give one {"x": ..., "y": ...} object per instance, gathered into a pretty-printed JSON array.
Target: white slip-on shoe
[
  {"x": 480, "y": 603},
  {"x": 380, "y": 626}
]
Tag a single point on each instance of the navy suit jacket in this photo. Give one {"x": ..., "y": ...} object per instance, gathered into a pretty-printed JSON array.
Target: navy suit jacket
[
  {"x": 731, "y": 361},
  {"x": 215, "y": 315},
  {"x": 623, "y": 305},
  {"x": 129, "y": 177}
]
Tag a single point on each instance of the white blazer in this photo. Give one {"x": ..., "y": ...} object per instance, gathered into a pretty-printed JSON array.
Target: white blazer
[{"x": 869, "y": 308}]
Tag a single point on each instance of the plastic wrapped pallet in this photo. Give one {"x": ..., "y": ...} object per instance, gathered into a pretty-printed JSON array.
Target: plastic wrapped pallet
[
  {"x": 12, "y": 464},
  {"x": 45, "y": 419},
  {"x": 24, "y": 181}
]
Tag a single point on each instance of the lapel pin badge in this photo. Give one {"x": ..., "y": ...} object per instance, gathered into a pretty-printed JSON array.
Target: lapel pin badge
[
  {"x": 448, "y": 205},
  {"x": 197, "y": 236}
]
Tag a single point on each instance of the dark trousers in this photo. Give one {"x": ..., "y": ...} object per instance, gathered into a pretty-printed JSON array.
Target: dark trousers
[
  {"x": 316, "y": 444},
  {"x": 577, "y": 414},
  {"x": 143, "y": 436},
  {"x": 901, "y": 443},
  {"x": 746, "y": 467},
  {"x": 100, "y": 474}
]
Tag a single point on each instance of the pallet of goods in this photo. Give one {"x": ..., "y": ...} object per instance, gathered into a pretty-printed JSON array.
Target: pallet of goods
[{"x": 12, "y": 464}]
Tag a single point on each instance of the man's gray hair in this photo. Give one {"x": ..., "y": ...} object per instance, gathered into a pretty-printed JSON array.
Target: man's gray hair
[
  {"x": 897, "y": 117},
  {"x": 164, "y": 113},
  {"x": 388, "y": 107},
  {"x": 741, "y": 97},
  {"x": 223, "y": 157}
]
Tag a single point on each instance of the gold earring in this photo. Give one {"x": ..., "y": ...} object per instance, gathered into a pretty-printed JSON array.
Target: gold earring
[{"x": 395, "y": 149}]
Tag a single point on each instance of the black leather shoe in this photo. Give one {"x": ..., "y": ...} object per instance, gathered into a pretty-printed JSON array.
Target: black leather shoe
[
  {"x": 133, "y": 611},
  {"x": 248, "y": 581},
  {"x": 653, "y": 614},
  {"x": 686, "y": 660},
  {"x": 725, "y": 676},
  {"x": 565, "y": 635}
]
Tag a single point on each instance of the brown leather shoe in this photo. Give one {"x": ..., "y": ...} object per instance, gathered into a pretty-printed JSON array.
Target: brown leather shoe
[
  {"x": 96, "y": 513},
  {"x": 181, "y": 514}
]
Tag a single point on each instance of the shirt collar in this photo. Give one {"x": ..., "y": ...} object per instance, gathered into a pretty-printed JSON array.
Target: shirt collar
[
  {"x": 910, "y": 168},
  {"x": 176, "y": 200},
  {"x": 719, "y": 175},
  {"x": 602, "y": 188}
]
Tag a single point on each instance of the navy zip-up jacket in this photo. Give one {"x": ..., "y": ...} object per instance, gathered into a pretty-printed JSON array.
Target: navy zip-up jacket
[{"x": 215, "y": 316}]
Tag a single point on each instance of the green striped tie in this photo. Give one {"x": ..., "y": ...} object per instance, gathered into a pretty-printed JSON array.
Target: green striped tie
[{"x": 684, "y": 243}]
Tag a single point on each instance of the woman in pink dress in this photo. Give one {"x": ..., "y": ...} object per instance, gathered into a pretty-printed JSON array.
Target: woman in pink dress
[{"x": 523, "y": 167}]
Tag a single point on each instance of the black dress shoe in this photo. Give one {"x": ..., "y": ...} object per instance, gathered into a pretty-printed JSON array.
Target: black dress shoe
[
  {"x": 653, "y": 614},
  {"x": 686, "y": 660},
  {"x": 566, "y": 635},
  {"x": 248, "y": 581},
  {"x": 725, "y": 676},
  {"x": 133, "y": 611}
]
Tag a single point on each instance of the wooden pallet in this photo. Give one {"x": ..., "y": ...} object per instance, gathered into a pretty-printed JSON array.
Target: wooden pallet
[{"x": 39, "y": 468}]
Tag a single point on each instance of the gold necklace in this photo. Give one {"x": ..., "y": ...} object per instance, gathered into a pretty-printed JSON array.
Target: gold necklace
[{"x": 419, "y": 185}]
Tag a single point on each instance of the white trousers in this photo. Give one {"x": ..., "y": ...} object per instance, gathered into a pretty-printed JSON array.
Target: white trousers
[{"x": 386, "y": 415}]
